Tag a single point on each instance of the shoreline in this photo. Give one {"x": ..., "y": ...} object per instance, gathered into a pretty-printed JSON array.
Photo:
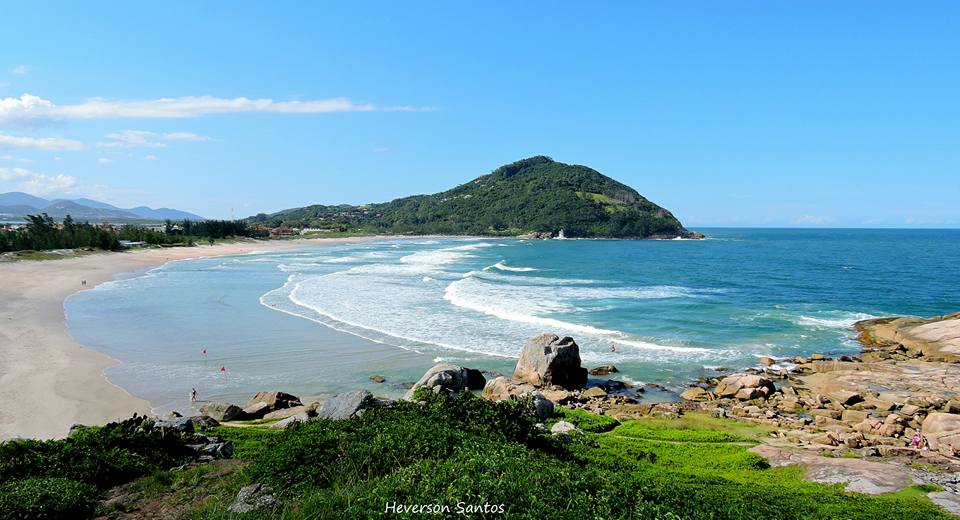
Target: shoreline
[{"x": 50, "y": 381}]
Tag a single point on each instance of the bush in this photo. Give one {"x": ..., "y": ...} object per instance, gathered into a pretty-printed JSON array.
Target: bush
[
  {"x": 385, "y": 439},
  {"x": 586, "y": 421},
  {"x": 46, "y": 497},
  {"x": 102, "y": 457}
]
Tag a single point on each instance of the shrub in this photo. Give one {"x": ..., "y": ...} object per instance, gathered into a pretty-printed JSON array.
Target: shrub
[
  {"x": 46, "y": 497},
  {"x": 102, "y": 457}
]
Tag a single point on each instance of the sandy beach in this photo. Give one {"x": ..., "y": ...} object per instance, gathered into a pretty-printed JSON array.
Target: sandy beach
[{"x": 49, "y": 381}]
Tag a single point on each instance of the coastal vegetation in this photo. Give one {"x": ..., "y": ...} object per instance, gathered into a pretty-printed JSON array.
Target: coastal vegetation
[
  {"x": 533, "y": 195},
  {"x": 42, "y": 233},
  {"x": 444, "y": 451}
]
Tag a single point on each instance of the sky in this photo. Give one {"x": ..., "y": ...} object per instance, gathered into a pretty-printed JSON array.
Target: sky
[{"x": 740, "y": 113}]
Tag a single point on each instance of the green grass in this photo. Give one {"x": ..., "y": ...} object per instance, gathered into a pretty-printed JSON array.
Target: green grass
[
  {"x": 586, "y": 421},
  {"x": 469, "y": 451},
  {"x": 465, "y": 452}
]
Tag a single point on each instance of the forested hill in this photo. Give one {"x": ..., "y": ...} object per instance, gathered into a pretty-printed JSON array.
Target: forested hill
[{"x": 531, "y": 195}]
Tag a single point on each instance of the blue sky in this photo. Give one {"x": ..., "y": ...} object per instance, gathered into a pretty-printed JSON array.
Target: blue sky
[{"x": 727, "y": 113}]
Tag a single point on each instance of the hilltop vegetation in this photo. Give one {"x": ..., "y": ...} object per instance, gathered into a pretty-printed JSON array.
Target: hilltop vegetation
[
  {"x": 458, "y": 451},
  {"x": 536, "y": 194}
]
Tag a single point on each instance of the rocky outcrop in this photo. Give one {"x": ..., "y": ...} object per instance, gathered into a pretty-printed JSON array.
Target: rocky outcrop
[
  {"x": 934, "y": 339},
  {"x": 344, "y": 406},
  {"x": 550, "y": 360},
  {"x": 504, "y": 389},
  {"x": 222, "y": 411},
  {"x": 745, "y": 387},
  {"x": 448, "y": 378},
  {"x": 942, "y": 431},
  {"x": 696, "y": 393}
]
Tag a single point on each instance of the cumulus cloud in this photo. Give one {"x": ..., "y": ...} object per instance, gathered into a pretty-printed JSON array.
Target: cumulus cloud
[
  {"x": 38, "y": 183},
  {"x": 29, "y": 107},
  {"x": 104, "y": 160},
  {"x": 20, "y": 70},
  {"x": 39, "y": 143}
]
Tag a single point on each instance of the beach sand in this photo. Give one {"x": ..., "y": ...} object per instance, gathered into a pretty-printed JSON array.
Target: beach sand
[{"x": 49, "y": 382}]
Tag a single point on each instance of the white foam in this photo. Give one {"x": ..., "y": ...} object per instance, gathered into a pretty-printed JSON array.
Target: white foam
[
  {"x": 504, "y": 267},
  {"x": 845, "y": 320}
]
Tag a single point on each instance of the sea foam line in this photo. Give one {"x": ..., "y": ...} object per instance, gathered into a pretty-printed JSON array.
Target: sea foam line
[
  {"x": 451, "y": 294},
  {"x": 292, "y": 297}
]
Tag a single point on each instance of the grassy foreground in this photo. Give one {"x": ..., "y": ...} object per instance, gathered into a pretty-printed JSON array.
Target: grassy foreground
[{"x": 462, "y": 452}]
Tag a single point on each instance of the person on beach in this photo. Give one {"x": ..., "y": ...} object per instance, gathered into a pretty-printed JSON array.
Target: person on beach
[
  {"x": 916, "y": 440},
  {"x": 193, "y": 395}
]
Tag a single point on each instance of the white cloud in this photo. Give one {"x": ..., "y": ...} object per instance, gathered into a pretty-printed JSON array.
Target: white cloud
[
  {"x": 186, "y": 136},
  {"x": 146, "y": 139},
  {"x": 30, "y": 107},
  {"x": 131, "y": 139},
  {"x": 104, "y": 160},
  {"x": 814, "y": 220},
  {"x": 38, "y": 183},
  {"x": 39, "y": 143},
  {"x": 20, "y": 70},
  {"x": 380, "y": 149},
  {"x": 150, "y": 157},
  {"x": 8, "y": 157}
]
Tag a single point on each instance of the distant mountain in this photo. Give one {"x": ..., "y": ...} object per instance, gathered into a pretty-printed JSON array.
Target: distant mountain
[
  {"x": 90, "y": 203},
  {"x": 16, "y": 205},
  {"x": 532, "y": 195},
  {"x": 18, "y": 198},
  {"x": 163, "y": 214}
]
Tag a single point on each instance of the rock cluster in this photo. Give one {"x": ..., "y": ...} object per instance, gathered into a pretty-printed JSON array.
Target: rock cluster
[
  {"x": 821, "y": 404},
  {"x": 284, "y": 408},
  {"x": 549, "y": 370}
]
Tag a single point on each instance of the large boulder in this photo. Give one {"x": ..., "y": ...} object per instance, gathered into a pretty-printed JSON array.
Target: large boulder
[
  {"x": 344, "y": 406},
  {"x": 445, "y": 377},
  {"x": 548, "y": 360},
  {"x": 274, "y": 400},
  {"x": 745, "y": 387},
  {"x": 222, "y": 411},
  {"x": 256, "y": 410},
  {"x": 942, "y": 431}
]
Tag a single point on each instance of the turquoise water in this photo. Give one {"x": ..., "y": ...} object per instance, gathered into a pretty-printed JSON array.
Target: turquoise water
[{"x": 323, "y": 319}]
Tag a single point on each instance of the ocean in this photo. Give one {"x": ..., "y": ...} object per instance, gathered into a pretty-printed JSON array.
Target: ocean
[{"x": 322, "y": 319}]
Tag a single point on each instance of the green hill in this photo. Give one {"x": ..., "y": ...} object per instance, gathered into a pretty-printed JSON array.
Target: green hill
[{"x": 535, "y": 195}]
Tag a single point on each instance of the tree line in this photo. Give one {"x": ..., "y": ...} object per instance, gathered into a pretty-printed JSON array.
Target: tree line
[{"x": 43, "y": 233}]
